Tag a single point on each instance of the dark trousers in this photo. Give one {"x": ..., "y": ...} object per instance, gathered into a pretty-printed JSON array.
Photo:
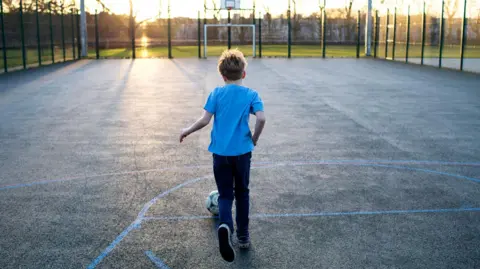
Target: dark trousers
[{"x": 232, "y": 175}]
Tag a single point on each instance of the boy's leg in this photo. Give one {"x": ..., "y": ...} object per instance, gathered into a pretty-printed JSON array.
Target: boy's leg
[
  {"x": 242, "y": 197},
  {"x": 223, "y": 171}
]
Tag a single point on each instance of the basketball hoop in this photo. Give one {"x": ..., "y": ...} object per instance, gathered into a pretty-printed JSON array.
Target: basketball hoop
[{"x": 229, "y": 4}]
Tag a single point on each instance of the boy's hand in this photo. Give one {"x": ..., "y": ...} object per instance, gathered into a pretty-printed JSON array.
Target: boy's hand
[
  {"x": 199, "y": 124},
  {"x": 183, "y": 134},
  {"x": 258, "y": 126}
]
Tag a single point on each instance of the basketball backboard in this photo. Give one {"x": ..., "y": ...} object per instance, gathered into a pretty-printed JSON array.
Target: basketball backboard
[{"x": 230, "y": 4}]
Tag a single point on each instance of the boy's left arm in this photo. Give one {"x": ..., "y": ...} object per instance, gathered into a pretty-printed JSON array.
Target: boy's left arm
[{"x": 199, "y": 124}]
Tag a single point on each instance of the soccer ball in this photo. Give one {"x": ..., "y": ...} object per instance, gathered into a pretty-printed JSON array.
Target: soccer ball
[{"x": 212, "y": 203}]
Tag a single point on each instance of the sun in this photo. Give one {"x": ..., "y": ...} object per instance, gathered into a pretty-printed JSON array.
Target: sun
[
  {"x": 144, "y": 41},
  {"x": 142, "y": 9},
  {"x": 146, "y": 9}
]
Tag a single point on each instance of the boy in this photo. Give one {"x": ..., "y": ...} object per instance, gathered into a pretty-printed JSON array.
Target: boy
[{"x": 231, "y": 144}]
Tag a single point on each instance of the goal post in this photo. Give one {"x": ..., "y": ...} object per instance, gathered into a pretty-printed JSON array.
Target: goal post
[{"x": 205, "y": 39}]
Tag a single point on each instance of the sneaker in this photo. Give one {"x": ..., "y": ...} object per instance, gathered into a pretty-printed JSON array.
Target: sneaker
[
  {"x": 225, "y": 243},
  {"x": 244, "y": 243}
]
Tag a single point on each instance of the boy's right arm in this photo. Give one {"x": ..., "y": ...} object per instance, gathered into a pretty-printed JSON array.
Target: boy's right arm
[{"x": 259, "y": 124}]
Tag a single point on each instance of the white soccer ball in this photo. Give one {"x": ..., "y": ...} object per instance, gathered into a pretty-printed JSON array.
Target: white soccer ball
[{"x": 212, "y": 203}]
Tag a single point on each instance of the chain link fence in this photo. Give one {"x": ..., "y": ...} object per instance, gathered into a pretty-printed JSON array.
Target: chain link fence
[
  {"x": 37, "y": 32},
  {"x": 282, "y": 29},
  {"x": 434, "y": 32}
]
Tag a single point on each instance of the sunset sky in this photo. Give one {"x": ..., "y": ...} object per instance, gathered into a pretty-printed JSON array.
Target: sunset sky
[
  {"x": 146, "y": 9},
  {"x": 188, "y": 8}
]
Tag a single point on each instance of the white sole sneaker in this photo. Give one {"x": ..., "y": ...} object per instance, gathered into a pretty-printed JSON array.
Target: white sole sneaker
[{"x": 225, "y": 243}]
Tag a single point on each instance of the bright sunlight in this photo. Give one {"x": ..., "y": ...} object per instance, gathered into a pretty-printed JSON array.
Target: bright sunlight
[{"x": 150, "y": 9}]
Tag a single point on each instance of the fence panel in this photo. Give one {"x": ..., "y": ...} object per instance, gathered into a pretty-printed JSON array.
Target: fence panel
[
  {"x": 432, "y": 32},
  {"x": 382, "y": 38},
  {"x": 472, "y": 48},
  {"x": 401, "y": 34},
  {"x": 13, "y": 37},
  {"x": 184, "y": 30},
  {"x": 306, "y": 28}
]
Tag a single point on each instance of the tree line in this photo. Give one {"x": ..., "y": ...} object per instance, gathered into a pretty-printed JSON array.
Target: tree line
[{"x": 341, "y": 24}]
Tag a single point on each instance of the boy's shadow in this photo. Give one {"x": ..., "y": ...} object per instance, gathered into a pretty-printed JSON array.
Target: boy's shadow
[{"x": 245, "y": 257}]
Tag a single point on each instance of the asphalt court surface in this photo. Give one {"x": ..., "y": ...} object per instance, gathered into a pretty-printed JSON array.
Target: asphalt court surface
[{"x": 363, "y": 164}]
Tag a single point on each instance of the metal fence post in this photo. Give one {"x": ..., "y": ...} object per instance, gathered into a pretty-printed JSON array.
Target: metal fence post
[
  {"x": 358, "y": 34},
  {"x": 83, "y": 36},
  {"x": 229, "y": 30},
  {"x": 204, "y": 23},
  {"x": 377, "y": 33},
  {"x": 204, "y": 12},
  {"x": 424, "y": 21},
  {"x": 368, "y": 29},
  {"x": 394, "y": 33},
  {"x": 289, "y": 19},
  {"x": 39, "y": 48},
  {"x": 386, "y": 33},
  {"x": 408, "y": 35},
  {"x": 72, "y": 18},
  {"x": 5, "y": 67},
  {"x": 52, "y": 49},
  {"x": 97, "y": 50},
  {"x": 464, "y": 34},
  {"x": 324, "y": 27},
  {"x": 169, "y": 32},
  {"x": 442, "y": 35},
  {"x": 63, "y": 36},
  {"x": 132, "y": 32},
  {"x": 254, "y": 21},
  {"x": 79, "y": 41},
  {"x": 259, "y": 35},
  {"x": 22, "y": 36},
  {"x": 199, "y": 37},
  {"x": 320, "y": 26}
]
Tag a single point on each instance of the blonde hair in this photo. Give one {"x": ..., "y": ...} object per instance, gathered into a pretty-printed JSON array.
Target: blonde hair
[{"x": 232, "y": 64}]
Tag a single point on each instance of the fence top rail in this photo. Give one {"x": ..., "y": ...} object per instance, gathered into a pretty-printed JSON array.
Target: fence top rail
[
  {"x": 230, "y": 25},
  {"x": 233, "y": 9}
]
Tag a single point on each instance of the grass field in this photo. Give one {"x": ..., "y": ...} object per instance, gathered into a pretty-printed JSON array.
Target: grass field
[
  {"x": 192, "y": 51},
  {"x": 282, "y": 51},
  {"x": 14, "y": 57},
  {"x": 415, "y": 51}
]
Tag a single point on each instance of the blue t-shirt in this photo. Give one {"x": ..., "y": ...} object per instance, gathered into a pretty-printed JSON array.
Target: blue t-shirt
[{"x": 231, "y": 106}]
